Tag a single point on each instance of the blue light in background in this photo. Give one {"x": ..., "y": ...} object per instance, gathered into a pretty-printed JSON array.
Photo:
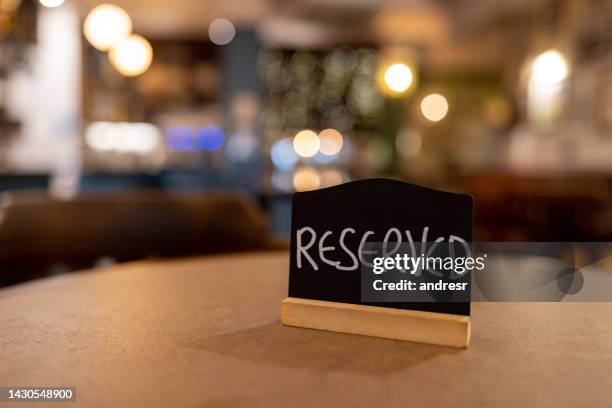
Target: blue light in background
[
  {"x": 283, "y": 155},
  {"x": 210, "y": 138},
  {"x": 180, "y": 138}
]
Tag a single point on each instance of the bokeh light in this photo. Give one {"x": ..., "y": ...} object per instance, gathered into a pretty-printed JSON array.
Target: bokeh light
[
  {"x": 221, "y": 31},
  {"x": 398, "y": 77},
  {"x": 546, "y": 85},
  {"x": 306, "y": 143},
  {"x": 331, "y": 177},
  {"x": 106, "y": 25},
  {"x": 434, "y": 107},
  {"x": 241, "y": 146},
  {"x": 210, "y": 138},
  {"x": 122, "y": 136},
  {"x": 306, "y": 178},
  {"x": 283, "y": 155},
  {"x": 330, "y": 142},
  {"x": 52, "y": 3},
  {"x": 132, "y": 56},
  {"x": 181, "y": 138},
  {"x": 548, "y": 69}
]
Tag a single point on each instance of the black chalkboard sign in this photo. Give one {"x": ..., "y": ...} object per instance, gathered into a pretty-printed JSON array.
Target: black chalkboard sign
[{"x": 343, "y": 214}]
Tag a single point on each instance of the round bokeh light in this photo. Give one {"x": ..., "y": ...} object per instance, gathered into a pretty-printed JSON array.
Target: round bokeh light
[
  {"x": 398, "y": 77},
  {"x": 306, "y": 143},
  {"x": 282, "y": 154},
  {"x": 330, "y": 141},
  {"x": 132, "y": 56},
  {"x": 221, "y": 31},
  {"x": 210, "y": 138},
  {"x": 106, "y": 25},
  {"x": 434, "y": 107}
]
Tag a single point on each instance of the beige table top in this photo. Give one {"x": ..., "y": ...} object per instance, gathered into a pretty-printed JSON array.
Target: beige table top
[{"x": 206, "y": 332}]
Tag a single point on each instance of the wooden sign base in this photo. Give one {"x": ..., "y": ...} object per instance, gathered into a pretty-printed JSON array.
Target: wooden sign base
[{"x": 423, "y": 327}]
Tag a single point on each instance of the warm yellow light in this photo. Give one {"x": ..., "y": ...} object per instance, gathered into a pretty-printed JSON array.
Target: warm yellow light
[
  {"x": 132, "y": 56},
  {"x": 306, "y": 178},
  {"x": 434, "y": 107},
  {"x": 51, "y": 3},
  {"x": 548, "y": 69},
  {"x": 331, "y": 142},
  {"x": 545, "y": 88},
  {"x": 6, "y": 25},
  {"x": 106, "y": 25},
  {"x": 306, "y": 143},
  {"x": 331, "y": 177},
  {"x": 398, "y": 77}
]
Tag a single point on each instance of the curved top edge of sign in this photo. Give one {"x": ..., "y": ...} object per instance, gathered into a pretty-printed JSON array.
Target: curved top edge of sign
[{"x": 386, "y": 180}]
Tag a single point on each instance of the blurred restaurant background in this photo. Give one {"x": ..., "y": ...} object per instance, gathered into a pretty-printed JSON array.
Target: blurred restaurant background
[{"x": 165, "y": 128}]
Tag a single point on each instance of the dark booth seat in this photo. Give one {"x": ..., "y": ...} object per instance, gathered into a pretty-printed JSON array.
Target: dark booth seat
[{"x": 38, "y": 231}]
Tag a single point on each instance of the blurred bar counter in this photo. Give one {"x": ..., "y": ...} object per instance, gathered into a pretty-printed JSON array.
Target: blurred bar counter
[{"x": 543, "y": 207}]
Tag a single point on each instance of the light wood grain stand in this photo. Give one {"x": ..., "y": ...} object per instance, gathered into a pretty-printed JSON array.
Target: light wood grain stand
[{"x": 422, "y": 327}]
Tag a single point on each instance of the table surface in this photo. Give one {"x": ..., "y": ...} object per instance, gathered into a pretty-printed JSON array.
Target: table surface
[{"x": 206, "y": 332}]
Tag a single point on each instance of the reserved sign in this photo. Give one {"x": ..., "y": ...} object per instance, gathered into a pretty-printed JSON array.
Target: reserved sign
[{"x": 338, "y": 231}]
